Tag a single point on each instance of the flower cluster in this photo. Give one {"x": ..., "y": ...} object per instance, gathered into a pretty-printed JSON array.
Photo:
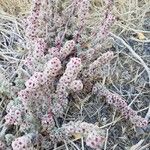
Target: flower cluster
[
  {"x": 94, "y": 137},
  {"x": 35, "y": 81},
  {"x": 36, "y": 56},
  {"x": 72, "y": 69},
  {"x": 83, "y": 11},
  {"x": 47, "y": 10},
  {"x": 47, "y": 122},
  {"x": 104, "y": 30},
  {"x": 35, "y": 34},
  {"x": 14, "y": 113},
  {"x": 94, "y": 140},
  {"x": 99, "y": 62},
  {"x": 108, "y": 2},
  {"x": 33, "y": 21},
  {"x": 39, "y": 48},
  {"x": 39, "y": 83},
  {"x": 59, "y": 20},
  {"x": 76, "y": 85},
  {"x": 22, "y": 143},
  {"x": 106, "y": 23},
  {"x": 120, "y": 104},
  {"x": 25, "y": 96},
  {"x": 52, "y": 67},
  {"x": 53, "y": 52},
  {"x": 86, "y": 56},
  {"x": 70, "y": 74},
  {"x": 2, "y": 145},
  {"x": 67, "y": 49}
]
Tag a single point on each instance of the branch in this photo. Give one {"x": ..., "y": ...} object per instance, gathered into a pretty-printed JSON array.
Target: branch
[{"x": 134, "y": 54}]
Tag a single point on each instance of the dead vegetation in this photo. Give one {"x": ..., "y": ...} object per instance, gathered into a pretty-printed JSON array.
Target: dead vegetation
[{"x": 128, "y": 74}]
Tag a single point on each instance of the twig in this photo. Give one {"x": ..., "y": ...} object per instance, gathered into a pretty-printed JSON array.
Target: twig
[
  {"x": 137, "y": 146},
  {"x": 148, "y": 113},
  {"x": 111, "y": 123},
  {"x": 133, "y": 53},
  {"x": 66, "y": 145},
  {"x": 143, "y": 41},
  {"x": 71, "y": 142},
  {"x": 82, "y": 142},
  {"x": 105, "y": 146}
]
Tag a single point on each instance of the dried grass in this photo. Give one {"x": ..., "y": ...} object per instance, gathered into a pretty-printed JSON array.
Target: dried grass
[
  {"x": 131, "y": 15},
  {"x": 15, "y": 7}
]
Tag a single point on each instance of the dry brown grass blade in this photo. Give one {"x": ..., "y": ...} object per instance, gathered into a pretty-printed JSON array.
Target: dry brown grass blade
[{"x": 15, "y": 7}]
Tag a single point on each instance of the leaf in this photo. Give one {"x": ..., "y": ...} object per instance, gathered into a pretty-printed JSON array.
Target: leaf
[
  {"x": 77, "y": 136},
  {"x": 140, "y": 36}
]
